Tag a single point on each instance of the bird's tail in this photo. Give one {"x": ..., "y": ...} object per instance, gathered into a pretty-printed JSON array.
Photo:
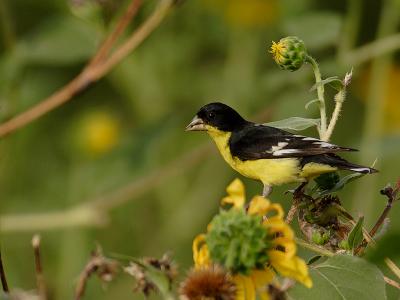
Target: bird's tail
[{"x": 336, "y": 161}]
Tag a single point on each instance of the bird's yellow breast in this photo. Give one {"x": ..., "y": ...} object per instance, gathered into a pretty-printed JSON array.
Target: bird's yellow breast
[{"x": 268, "y": 171}]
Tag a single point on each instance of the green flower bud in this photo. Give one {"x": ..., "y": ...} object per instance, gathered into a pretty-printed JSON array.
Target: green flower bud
[
  {"x": 289, "y": 53},
  {"x": 238, "y": 241},
  {"x": 320, "y": 239}
]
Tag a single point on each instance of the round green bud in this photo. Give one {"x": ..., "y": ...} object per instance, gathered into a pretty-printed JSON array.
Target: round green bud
[
  {"x": 238, "y": 241},
  {"x": 289, "y": 53}
]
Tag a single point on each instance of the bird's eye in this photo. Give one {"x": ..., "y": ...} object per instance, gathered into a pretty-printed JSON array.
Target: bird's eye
[{"x": 211, "y": 115}]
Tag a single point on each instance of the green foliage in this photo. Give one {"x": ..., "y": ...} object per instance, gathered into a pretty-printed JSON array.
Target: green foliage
[
  {"x": 356, "y": 234},
  {"x": 238, "y": 241},
  {"x": 343, "y": 277},
  {"x": 327, "y": 181},
  {"x": 341, "y": 184}
]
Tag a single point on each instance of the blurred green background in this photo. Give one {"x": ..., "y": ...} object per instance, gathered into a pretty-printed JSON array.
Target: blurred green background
[{"x": 121, "y": 143}]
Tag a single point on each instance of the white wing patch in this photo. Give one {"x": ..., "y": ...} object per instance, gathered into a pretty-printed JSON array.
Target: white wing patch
[
  {"x": 324, "y": 144},
  {"x": 286, "y": 151}
]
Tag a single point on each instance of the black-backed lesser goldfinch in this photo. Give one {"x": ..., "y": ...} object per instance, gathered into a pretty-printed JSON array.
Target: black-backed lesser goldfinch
[{"x": 270, "y": 155}]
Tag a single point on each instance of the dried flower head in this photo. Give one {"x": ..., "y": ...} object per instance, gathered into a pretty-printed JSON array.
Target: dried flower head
[{"x": 209, "y": 282}]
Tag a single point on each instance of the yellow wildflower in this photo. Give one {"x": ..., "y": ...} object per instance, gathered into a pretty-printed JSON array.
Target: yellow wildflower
[{"x": 279, "y": 256}]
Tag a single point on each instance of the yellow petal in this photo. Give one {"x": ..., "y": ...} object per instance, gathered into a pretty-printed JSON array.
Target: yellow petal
[
  {"x": 201, "y": 255},
  {"x": 262, "y": 278},
  {"x": 236, "y": 194},
  {"x": 288, "y": 244},
  {"x": 259, "y": 206},
  {"x": 245, "y": 287},
  {"x": 263, "y": 207},
  {"x": 294, "y": 268}
]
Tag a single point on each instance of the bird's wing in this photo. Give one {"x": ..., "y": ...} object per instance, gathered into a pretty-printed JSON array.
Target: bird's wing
[{"x": 259, "y": 141}]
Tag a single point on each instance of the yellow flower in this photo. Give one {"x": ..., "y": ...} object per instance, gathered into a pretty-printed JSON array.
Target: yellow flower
[
  {"x": 98, "y": 132},
  {"x": 289, "y": 53},
  {"x": 281, "y": 252}
]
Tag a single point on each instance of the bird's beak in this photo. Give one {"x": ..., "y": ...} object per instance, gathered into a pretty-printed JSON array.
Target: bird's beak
[{"x": 196, "y": 124}]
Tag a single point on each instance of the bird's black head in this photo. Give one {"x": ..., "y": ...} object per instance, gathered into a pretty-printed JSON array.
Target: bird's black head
[{"x": 217, "y": 115}]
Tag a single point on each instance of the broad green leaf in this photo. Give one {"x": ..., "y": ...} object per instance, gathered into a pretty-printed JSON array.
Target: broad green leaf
[
  {"x": 342, "y": 182},
  {"x": 294, "y": 123},
  {"x": 356, "y": 234},
  {"x": 317, "y": 29},
  {"x": 342, "y": 277}
]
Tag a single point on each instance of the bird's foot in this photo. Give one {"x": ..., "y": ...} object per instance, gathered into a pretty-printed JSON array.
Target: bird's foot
[{"x": 266, "y": 190}]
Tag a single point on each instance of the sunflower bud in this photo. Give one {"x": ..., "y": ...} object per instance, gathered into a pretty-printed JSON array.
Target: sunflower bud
[
  {"x": 289, "y": 53},
  {"x": 238, "y": 241}
]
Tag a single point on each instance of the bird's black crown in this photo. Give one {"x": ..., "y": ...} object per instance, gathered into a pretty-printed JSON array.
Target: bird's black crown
[{"x": 221, "y": 116}]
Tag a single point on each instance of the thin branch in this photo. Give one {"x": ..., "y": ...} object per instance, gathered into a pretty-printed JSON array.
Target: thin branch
[
  {"x": 3, "y": 276},
  {"x": 107, "y": 45},
  {"x": 40, "y": 281},
  {"x": 393, "y": 267},
  {"x": 320, "y": 93},
  {"x": 104, "y": 267},
  {"x": 297, "y": 197},
  {"x": 391, "y": 282},
  {"x": 339, "y": 99},
  {"x": 391, "y": 194},
  {"x": 90, "y": 74}
]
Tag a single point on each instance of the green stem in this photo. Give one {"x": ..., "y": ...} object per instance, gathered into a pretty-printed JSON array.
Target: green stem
[
  {"x": 320, "y": 93},
  {"x": 313, "y": 248}
]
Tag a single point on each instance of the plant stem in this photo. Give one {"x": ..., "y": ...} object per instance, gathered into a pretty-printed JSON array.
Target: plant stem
[
  {"x": 339, "y": 99},
  {"x": 313, "y": 248},
  {"x": 91, "y": 73},
  {"x": 3, "y": 276},
  {"x": 40, "y": 282},
  {"x": 320, "y": 93}
]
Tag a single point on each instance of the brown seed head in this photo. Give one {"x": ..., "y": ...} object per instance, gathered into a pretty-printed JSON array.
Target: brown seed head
[{"x": 208, "y": 283}]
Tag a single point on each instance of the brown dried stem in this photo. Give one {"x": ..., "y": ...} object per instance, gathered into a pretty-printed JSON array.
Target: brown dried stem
[
  {"x": 40, "y": 281},
  {"x": 391, "y": 195},
  {"x": 97, "y": 68},
  {"x": 3, "y": 276},
  {"x": 297, "y": 197},
  {"x": 98, "y": 264}
]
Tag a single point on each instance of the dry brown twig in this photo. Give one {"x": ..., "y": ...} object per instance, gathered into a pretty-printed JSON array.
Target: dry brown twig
[
  {"x": 40, "y": 281},
  {"x": 98, "y": 264},
  {"x": 98, "y": 67},
  {"x": 3, "y": 276}
]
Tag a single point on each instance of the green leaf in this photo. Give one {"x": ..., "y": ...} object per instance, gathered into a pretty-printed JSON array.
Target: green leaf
[
  {"x": 343, "y": 277},
  {"x": 311, "y": 102},
  {"x": 314, "y": 259},
  {"x": 342, "y": 182},
  {"x": 326, "y": 81},
  {"x": 356, "y": 234},
  {"x": 294, "y": 123}
]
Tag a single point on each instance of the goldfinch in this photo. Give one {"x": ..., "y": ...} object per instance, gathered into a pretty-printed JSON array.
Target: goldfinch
[{"x": 270, "y": 155}]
